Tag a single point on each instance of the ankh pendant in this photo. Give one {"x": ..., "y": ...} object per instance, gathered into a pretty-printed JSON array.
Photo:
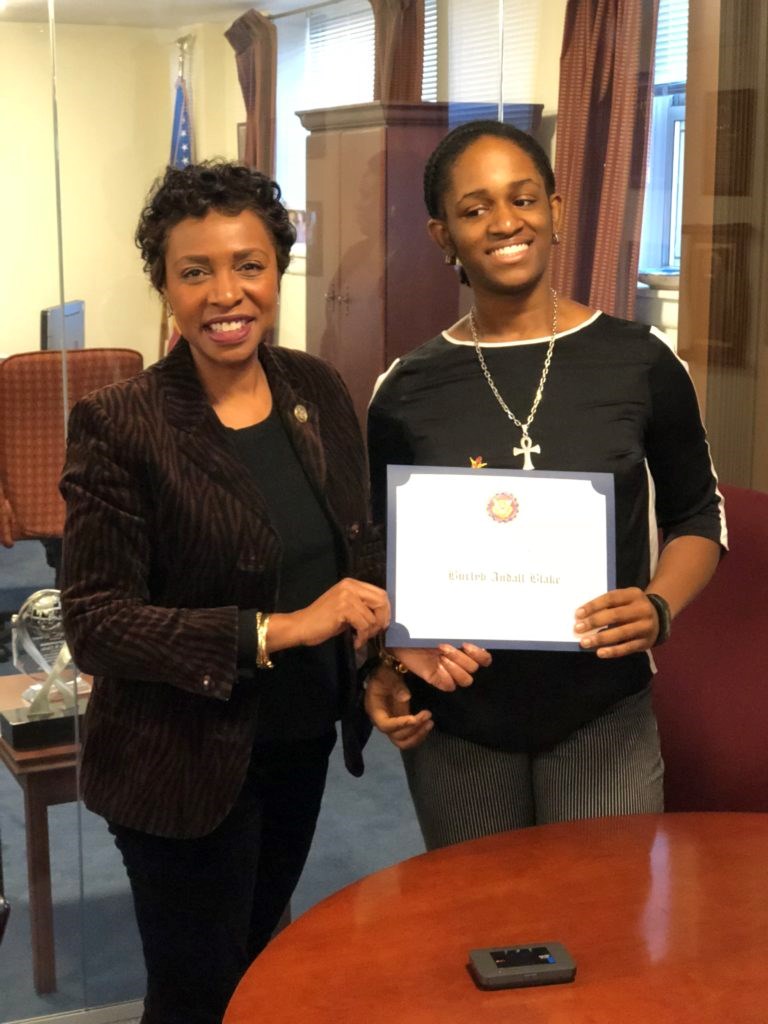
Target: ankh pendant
[{"x": 526, "y": 447}]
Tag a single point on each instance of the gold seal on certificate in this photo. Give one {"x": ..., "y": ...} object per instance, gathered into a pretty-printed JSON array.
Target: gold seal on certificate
[
  {"x": 502, "y": 507},
  {"x": 507, "y": 562}
]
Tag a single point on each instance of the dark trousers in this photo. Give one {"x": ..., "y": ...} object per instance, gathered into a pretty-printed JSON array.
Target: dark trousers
[{"x": 206, "y": 907}]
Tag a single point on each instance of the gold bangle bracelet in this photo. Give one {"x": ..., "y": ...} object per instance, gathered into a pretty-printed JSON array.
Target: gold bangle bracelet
[{"x": 262, "y": 655}]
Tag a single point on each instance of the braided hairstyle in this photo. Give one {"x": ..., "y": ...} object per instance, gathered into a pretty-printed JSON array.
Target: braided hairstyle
[
  {"x": 196, "y": 190},
  {"x": 438, "y": 170}
]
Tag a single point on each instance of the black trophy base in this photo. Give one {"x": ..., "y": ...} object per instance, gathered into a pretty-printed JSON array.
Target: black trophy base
[{"x": 23, "y": 732}]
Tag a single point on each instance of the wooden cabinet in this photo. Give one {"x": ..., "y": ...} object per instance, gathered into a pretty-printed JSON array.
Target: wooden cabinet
[{"x": 377, "y": 285}]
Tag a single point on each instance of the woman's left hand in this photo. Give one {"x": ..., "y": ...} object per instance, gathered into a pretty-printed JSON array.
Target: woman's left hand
[
  {"x": 618, "y": 623},
  {"x": 444, "y": 667},
  {"x": 388, "y": 703}
]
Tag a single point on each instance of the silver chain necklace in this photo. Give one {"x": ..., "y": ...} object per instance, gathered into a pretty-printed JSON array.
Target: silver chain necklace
[{"x": 527, "y": 447}]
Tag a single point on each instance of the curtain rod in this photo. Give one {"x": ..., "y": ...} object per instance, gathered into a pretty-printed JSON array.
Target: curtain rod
[{"x": 302, "y": 10}]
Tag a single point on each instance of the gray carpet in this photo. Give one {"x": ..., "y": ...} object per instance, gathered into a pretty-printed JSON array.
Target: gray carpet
[{"x": 365, "y": 824}]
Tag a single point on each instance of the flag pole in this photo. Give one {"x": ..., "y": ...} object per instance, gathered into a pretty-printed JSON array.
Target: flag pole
[
  {"x": 184, "y": 43},
  {"x": 182, "y": 154}
]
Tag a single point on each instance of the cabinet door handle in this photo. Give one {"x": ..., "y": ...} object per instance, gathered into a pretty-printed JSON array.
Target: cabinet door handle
[
  {"x": 345, "y": 300},
  {"x": 330, "y": 295}
]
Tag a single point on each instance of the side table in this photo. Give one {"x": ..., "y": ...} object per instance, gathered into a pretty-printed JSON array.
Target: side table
[{"x": 47, "y": 776}]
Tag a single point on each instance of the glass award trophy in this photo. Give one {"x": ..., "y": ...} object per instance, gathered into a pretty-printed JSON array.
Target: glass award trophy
[{"x": 39, "y": 648}]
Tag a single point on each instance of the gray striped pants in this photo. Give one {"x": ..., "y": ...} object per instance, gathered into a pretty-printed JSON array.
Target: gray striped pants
[{"x": 462, "y": 790}]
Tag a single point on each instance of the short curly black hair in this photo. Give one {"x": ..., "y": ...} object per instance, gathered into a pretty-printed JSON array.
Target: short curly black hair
[
  {"x": 438, "y": 168},
  {"x": 194, "y": 191}
]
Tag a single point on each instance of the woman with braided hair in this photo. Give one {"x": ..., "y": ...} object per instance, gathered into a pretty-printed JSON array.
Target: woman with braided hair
[{"x": 534, "y": 380}]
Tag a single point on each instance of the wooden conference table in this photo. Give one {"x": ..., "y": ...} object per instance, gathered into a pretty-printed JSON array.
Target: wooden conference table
[{"x": 666, "y": 917}]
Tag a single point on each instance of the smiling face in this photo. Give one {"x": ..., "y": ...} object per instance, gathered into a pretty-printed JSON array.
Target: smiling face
[
  {"x": 498, "y": 218},
  {"x": 221, "y": 281}
]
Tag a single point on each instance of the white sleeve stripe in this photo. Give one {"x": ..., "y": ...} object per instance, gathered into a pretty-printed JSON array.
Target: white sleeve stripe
[
  {"x": 658, "y": 333},
  {"x": 653, "y": 526},
  {"x": 653, "y": 542},
  {"x": 721, "y": 500},
  {"x": 382, "y": 377},
  {"x": 721, "y": 505}
]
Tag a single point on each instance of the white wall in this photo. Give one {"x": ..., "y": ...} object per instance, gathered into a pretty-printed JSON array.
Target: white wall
[
  {"x": 114, "y": 87},
  {"x": 547, "y": 64},
  {"x": 217, "y": 101},
  {"x": 115, "y": 106},
  {"x": 469, "y": 45},
  {"x": 29, "y": 264},
  {"x": 115, "y": 112},
  {"x": 290, "y": 162}
]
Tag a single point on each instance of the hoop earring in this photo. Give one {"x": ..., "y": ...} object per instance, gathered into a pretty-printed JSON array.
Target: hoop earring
[
  {"x": 555, "y": 238},
  {"x": 449, "y": 258}
]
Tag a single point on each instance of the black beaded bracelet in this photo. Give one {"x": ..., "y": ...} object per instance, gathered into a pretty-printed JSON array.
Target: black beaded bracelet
[{"x": 664, "y": 616}]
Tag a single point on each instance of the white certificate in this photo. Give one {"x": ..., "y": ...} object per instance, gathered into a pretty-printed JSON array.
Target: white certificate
[{"x": 501, "y": 558}]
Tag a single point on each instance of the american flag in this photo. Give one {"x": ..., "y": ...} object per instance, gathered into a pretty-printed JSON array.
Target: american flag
[
  {"x": 181, "y": 137},
  {"x": 182, "y": 155}
]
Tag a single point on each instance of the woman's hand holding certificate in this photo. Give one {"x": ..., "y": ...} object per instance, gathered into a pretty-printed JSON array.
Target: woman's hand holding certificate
[
  {"x": 388, "y": 703},
  {"x": 445, "y": 667},
  {"x": 618, "y": 623},
  {"x": 388, "y": 699}
]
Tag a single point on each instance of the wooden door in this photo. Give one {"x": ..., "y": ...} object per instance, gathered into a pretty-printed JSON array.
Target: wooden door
[
  {"x": 362, "y": 233},
  {"x": 422, "y": 293},
  {"x": 323, "y": 242}
]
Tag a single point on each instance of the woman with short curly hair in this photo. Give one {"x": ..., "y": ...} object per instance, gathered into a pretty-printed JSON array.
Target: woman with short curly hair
[
  {"x": 194, "y": 191},
  {"x": 214, "y": 555}
]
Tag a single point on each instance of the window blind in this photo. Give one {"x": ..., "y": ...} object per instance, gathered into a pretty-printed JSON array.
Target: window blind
[
  {"x": 429, "y": 76},
  {"x": 475, "y": 69},
  {"x": 340, "y": 54},
  {"x": 671, "y": 43}
]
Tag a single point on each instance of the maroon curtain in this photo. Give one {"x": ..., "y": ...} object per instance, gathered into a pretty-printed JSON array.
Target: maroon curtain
[
  {"x": 254, "y": 40},
  {"x": 399, "y": 50},
  {"x": 603, "y": 118}
]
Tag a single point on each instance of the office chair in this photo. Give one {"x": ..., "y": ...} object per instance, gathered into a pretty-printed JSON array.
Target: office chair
[
  {"x": 33, "y": 427},
  {"x": 711, "y": 690},
  {"x": 32, "y": 442}
]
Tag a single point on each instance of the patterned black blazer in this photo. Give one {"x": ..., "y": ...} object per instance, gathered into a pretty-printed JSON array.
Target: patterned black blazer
[{"x": 166, "y": 537}]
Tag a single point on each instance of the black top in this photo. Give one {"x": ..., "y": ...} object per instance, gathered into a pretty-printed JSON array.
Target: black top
[
  {"x": 299, "y": 695},
  {"x": 617, "y": 400}
]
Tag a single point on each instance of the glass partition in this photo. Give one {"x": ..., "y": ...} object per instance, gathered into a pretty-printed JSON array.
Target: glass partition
[
  {"x": 42, "y": 954},
  {"x": 366, "y": 284}
]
